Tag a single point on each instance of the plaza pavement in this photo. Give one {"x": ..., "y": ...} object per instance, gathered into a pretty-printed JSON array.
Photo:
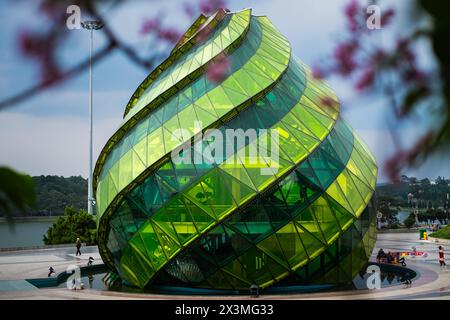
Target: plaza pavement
[{"x": 25, "y": 264}]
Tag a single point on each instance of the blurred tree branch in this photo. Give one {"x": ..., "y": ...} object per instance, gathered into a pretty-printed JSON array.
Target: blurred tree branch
[
  {"x": 42, "y": 47},
  {"x": 17, "y": 190},
  {"x": 396, "y": 73}
]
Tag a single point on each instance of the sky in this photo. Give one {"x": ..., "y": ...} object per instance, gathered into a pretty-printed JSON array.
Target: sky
[{"x": 48, "y": 133}]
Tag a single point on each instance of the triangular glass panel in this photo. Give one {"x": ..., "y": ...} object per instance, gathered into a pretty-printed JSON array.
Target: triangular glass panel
[{"x": 272, "y": 248}]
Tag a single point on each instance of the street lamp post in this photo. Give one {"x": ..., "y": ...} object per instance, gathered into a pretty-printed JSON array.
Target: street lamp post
[{"x": 91, "y": 26}]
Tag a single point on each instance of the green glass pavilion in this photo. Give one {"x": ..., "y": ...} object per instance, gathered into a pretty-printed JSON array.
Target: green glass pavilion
[{"x": 227, "y": 226}]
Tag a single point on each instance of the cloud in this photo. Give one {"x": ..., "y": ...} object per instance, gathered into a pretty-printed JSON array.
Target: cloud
[{"x": 50, "y": 145}]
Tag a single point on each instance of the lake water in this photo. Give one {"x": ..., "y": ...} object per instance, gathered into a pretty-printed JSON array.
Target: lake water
[
  {"x": 24, "y": 234},
  {"x": 402, "y": 215}
]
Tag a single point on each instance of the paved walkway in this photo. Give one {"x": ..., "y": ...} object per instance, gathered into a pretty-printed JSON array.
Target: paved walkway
[
  {"x": 432, "y": 284},
  {"x": 27, "y": 264}
]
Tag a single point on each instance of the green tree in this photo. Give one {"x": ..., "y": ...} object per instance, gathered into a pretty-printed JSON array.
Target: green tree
[
  {"x": 410, "y": 221},
  {"x": 73, "y": 225}
]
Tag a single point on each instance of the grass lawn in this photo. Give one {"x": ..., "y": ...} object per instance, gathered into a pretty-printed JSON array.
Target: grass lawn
[{"x": 444, "y": 233}]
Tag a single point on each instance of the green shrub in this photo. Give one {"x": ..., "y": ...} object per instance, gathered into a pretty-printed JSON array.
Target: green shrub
[
  {"x": 71, "y": 226},
  {"x": 444, "y": 233},
  {"x": 410, "y": 221}
]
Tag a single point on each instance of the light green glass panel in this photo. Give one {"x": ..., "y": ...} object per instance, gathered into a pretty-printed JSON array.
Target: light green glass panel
[
  {"x": 311, "y": 244},
  {"x": 222, "y": 103},
  {"x": 197, "y": 217},
  {"x": 154, "y": 249},
  {"x": 366, "y": 152},
  {"x": 128, "y": 272},
  {"x": 235, "y": 97},
  {"x": 308, "y": 221},
  {"x": 312, "y": 105},
  {"x": 271, "y": 247},
  {"x": 361, "y": 165},
  {"x": 141, "y": 150},
  {"x": 185, "y": 65},
  {"x": 237, "y": 274},
  {"x": 265, "y": 66},
  {"x": 172, "y": 125},
  {"x": 175, "y": 221},
  {"x": 293, "y": 122},
  {"x": 102, "y": 194},
  {"x": 311, "y": 122},
  {"x": 240, "y": 192},
  {"x": 356, "y": 170},
  {"x": 202, "y": 193},
  {"x": 233, "y": 84},
  {"x": 155, "y": 146},
  {"x": 365, "y": 192},
  {"x": 112, "y": 190},
  {"x": 254, "y": 171},
  {"x": 238, "y": 171},
  {"x": 203, "y": 116},
  {"x": 292, "y": 246},
  {"x": 248, "y": 83},
  {"x": 206, "y": 104},
  {"x": 326, "y": 121},
  {"x": 138, "y": 165},
  {"x": 169, "y": 246},
  {"x": 187, "y": 120},
  {"x": 125, "y": 169},
  {"x": 255, "y": 72},
  {"x": 139, "y": 249},
  {"x": 325, "y": 219},
  {"x": 350, "y": 192},
  {"x": 335, "y": 192},
  {"x": 290, "y": 145},
  {"x": 342, "y": 215}
]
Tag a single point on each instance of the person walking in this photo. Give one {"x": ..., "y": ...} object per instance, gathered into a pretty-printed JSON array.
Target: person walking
[
  {"x": 78, "y": 244},
  {"x": 442, "y": 259}
]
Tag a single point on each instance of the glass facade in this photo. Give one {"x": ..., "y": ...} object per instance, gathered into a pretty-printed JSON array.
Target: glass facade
[{"x": 221, "y": 223}]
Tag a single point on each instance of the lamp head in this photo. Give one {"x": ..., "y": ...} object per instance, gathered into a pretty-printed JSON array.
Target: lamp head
[{"x": 92, "y": 25}]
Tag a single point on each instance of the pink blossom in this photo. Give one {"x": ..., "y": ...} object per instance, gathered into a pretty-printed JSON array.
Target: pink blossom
[
  {"x": 318, "y": 73},
  {"x": 150, "y": 25},
  {"x": 170, "y": 35},
  {"x": 366, "y": 80},
  {"x": 387, "y": 16},
  {"x": 351, "y": 11},
  {"x": 344, "y": 55},
  {"x": 188, "y": 9},
  {"x": 210, "y": 6}
]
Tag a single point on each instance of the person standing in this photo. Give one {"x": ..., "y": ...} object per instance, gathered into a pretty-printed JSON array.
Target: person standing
[
  {"x": 442, "y": 259},
  {"x": 78, "y": 244}
]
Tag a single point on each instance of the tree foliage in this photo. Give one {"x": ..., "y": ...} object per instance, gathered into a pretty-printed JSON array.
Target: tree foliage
[
  {"x": 410, "y": 221},
  {"x": 16, "y": 192},
  {"x": 54, "y": 193},
  {"x": 428, "y": 195},
  {"x": 73, "y": 225}
]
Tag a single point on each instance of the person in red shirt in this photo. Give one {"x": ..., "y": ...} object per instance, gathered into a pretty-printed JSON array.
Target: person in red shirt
[{"x": 442, "y": 259}]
